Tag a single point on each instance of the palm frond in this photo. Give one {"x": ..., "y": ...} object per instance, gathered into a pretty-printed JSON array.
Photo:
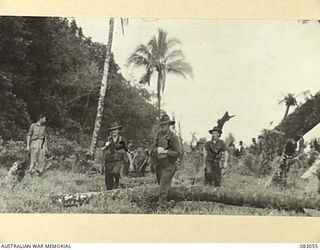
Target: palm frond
[
  {"x": 162, "y": 43},
  {"x": 173, "y": 42},
  {"x": 180, "y": 67},
  {"x": 138, "y": 60},
  {"x": 154, "y": 48},
  {"x": 144, "y": 50},
  {"x": 177, "y": 72},
  {"x": 146, "y": 77},
  {"x": 289, "y": 100},
  {"x": 174, "y": 55}
]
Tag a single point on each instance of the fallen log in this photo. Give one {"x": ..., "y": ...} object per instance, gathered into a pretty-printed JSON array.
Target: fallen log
[
  {"x": 198, "y": 193},
  {"x": 78, "y": 199}
]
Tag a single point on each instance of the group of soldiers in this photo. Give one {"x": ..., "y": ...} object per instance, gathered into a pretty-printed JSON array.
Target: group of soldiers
[
  {"x": 163, "y": 155},
  {"x": 120, "y": 157}
]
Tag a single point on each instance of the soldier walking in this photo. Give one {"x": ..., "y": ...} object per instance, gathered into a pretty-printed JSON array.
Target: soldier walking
[
  {"x": 213, "y": 151},
  {"x": 115, "y": 156},
  {"x": 130, "y": 149},
  {"x": 37, "y": 145},
  {"x": 279, "y": 178},
  {"x": 167, "y": 150}
]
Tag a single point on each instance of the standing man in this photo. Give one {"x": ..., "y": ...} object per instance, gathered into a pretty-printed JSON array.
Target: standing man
[
  {"x": 115, "y": 156},
  {"x": 241, "y": 149},
  {"x": 167, "y": 150},
  {"x": 130, "y": 153},
  {"x": 260, "y": 144},
  {"x": 254, "y": 147},
  {"x": 213, "y": 151},
  {"x": 279, "y": 177},
  {"x": 37, "y": 145}
]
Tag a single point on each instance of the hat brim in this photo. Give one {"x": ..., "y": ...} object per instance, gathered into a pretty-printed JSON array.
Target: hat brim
[
  {"x": 114, "y": 128},
  {"x": 211, "y": 131},
  {"x": 167, "y": 122}
]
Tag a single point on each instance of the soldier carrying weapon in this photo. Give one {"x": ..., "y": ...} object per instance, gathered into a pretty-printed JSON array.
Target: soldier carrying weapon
[
  {"x": 279, "y": 178},
  {"x": 115, "y": 157},
  {"x": 213, "y": 151},
  {"x": 167, "y": 150}
]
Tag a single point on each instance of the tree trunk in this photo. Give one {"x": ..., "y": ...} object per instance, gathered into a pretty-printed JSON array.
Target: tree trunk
[
  {"x": 197, "y": 193},
  {"x": 85, "y": 110},
  {"x": 181, "y": 141},
  {"x": 159, "y": 93},
  {"x": 103, "y": 89},
  {"x": 286, "y": 113},
  {"x": 303, "y": 119}
]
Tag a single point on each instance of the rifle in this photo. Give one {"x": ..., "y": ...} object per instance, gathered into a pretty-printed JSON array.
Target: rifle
[
  {"x": 141, "y": 167},
  {"x": 123, "y": 146}
]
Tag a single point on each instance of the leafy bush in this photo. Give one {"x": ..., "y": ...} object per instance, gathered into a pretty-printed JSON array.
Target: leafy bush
[
  {"x": 12, "y": 151},
  {"x": 256, "y": 165},
  {"x": 14, "y": 117}
]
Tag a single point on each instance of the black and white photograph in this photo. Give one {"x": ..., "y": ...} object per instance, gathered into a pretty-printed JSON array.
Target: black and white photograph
[{"x": 159, "y": 116}]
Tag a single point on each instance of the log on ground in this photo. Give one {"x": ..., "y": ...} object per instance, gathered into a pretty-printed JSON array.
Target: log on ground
[{"x": 198, "y": 193}]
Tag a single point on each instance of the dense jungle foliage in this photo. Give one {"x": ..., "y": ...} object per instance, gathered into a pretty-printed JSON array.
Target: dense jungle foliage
[{"x": 51, "y": 67}]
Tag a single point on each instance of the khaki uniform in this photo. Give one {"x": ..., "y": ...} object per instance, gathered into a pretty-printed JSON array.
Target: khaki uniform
[
  {"x": 38, "y": 147},
  {"x": 165, "y": 165},
  {"x": 280, "y": 176},
  {"x": 115, "y": 158},
  {"x": 126, "y": 167},
  {"x": 214, "y": 151}
]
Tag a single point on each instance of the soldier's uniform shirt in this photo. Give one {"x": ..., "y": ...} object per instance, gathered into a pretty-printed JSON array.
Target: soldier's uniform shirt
[
  {"x": 115, "y": 158},
  {"x": 280, "y": 175},
  {"x": 166, "y": 163},
  {"x": 37, "y": 131},
  {"x": 169, "y": 141},
  {"x": 37, "y": 135},
  {"x": 214, "y": 151}
]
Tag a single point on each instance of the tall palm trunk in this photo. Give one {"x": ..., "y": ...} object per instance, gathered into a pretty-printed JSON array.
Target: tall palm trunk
[
  {"x": 159, "y": 93},
  {"x": 103, "y": 89},
  {"x": 287, "y": 111}
]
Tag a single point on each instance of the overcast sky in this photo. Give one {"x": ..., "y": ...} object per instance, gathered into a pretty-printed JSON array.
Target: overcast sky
[{"x": 241, "y": 66}]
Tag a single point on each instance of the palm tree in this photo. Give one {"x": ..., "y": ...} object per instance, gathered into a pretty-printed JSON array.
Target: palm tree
[
  {"x": 103, "y": 86},
  {"x": 160, "y": 55},
  {"x": 289, "y": 100}
]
